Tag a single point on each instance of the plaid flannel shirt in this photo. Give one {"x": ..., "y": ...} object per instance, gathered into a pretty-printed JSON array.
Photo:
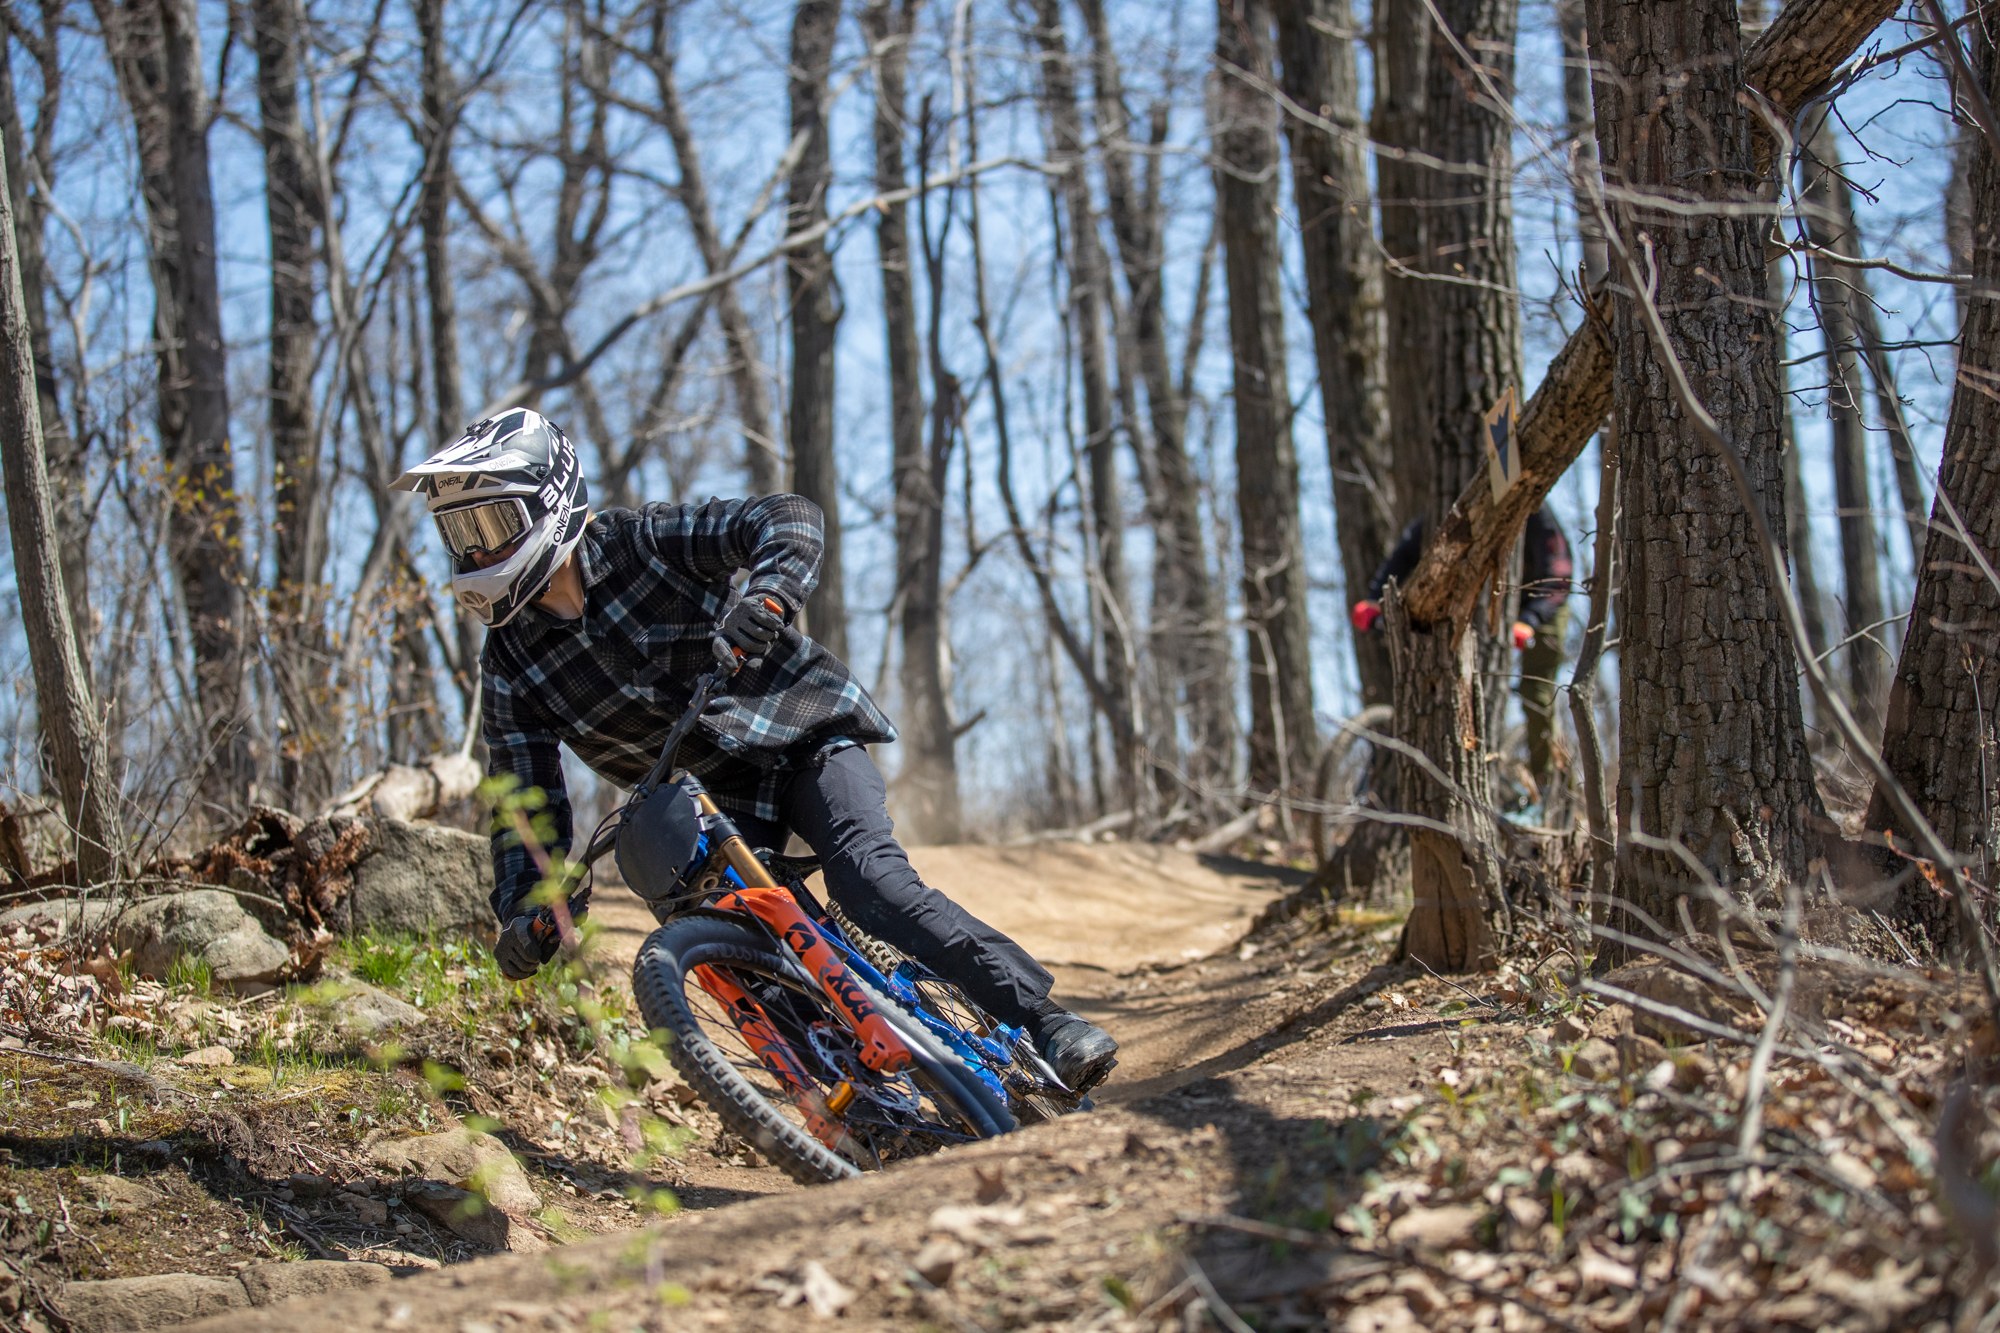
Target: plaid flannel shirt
[{"x": 610, "y": 685}]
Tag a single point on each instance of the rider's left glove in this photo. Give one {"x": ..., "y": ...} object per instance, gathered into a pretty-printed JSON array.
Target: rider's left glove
[
  {"x": 525, "y": 943},
  {"x": 748, "y": 629}
]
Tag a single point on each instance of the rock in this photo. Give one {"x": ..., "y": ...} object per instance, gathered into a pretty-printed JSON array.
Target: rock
[
  {"x": 470, "y": 1217},
  {"x": 1640, "y": 1054},
  {"x": 1667, "y": 986},
  {"x": 210, "y": 1055},
  {"x": 206, "y": 925},
  {"x": 369, "y": 1212},
  {"x": 122, "y": 1303},
  {"x": 267, "y": 1284},
  {"x": 466, "y": 1160},
  {"x": 115, "y": 1194},
  {"x": 71, "y": 916},
  {"x": 420, "y": 878},
  {"x": 1596, "y": 1059},
  {"x": 306, "y": 1185},
  {"x": 1452, "y": 1226},
  {"x": 937, "y": 1261},
  {"x": 1568, "y": 1032},
  {"x": 361, "y": 1010}
]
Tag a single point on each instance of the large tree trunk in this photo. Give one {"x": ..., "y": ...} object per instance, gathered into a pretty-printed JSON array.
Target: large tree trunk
[
  {"x": 1715, "y": 782},
  {"x": 1471, "y": 354},
  {"x": 1792, "y": 60},
  {"x": 66, "y": 712},
  {"x": 299, "y": 656},
  {"x": 1343, "y": 270},
  {"x": 156, "y": 50},
  {"x": 1283, "y": 736},
  {"x": 1188, "y": 640},
  {"x": 66, "y": 461},
  {"x": 928, "y": 785},
  {"x": 1942, "y": 740},
  {"x": 1867, "y": 665},
  {"x": 815, "y": 298},
  {"x": 438, "y": 100},
  {"x": 1089, "y": 302}
]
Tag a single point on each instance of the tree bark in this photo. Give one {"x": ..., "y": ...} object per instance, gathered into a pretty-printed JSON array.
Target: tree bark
[
  {"x": 1187, "y": 634},
  {"x": 816, "y": 309},
  {"x": 928, "y": 784},
  {"x": 156, "y": 51},
  {"x": 1941, "y": 739},
  {"x": 1089, "y": 273},
  {"x": 66, "y": 462},
  {"x": 308, "y": 755},
  {"x": 1792, "y": 60},
  {"x": 438, "y": 101},
  {"x": 63, "y": 703},
  {"x": 1714, "y": 774},
  {"x": 1833, "y": 294},
  {"x": 1283, "y": 735},
  {"x": 1460, "y": 284},
  {"x": 1343, "y": 272}
]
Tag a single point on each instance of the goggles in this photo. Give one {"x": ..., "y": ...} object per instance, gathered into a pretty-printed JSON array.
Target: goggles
[{"x": 488, "y": 527}]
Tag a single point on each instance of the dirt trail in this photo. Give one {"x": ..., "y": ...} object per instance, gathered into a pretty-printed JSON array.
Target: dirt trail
[{"x": 1230, "y": 1075}]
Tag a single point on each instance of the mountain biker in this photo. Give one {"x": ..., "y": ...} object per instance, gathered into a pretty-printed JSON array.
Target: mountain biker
[
  {"x": 599, "y": 623},
  {"x": 1538, "y": 631}
]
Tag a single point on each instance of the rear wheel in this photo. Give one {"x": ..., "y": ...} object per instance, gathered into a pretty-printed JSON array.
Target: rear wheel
[
  {"x": 1344, "y": 780},
  {"x": 765, "y": 1051}
]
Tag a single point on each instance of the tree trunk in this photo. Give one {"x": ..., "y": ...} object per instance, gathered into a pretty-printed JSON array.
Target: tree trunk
[
  {"x": 63, "y": 704},
  {"x": 1792, "y": 60},
  {"x": 1581, "y": 124},
  {"x": 438, "y": 96},
  {"x": 299, "y": 657},
  {"x": 1713, "y": 755},
  {"x": 66, "y": 461},
  {"x": 155, "y": 49},
  {"x": 1867, "y": 664},
  {"x": 1343, "y": 272},
  {"x": 1402, "y": 57},
  {"x": 1089, "y": 301},
  {"x": 1471, "y": 353},
  {"x": 928, "y": 784},
  {"x": 815, "y": 300},
  {"x": 1187, "y": 634},
  {"x": 1283, "y": 737},
  {"x": 1941, "y": 739}
]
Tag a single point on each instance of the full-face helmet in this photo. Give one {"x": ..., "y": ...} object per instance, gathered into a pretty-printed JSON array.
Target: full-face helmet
[{"x": 510, "y": 488}]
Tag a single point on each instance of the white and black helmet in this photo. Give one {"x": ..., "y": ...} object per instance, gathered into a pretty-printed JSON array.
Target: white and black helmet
[{"x": 511, "y": 485}]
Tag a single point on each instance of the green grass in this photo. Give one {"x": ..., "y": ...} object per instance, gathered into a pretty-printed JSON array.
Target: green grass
[{"x": 192, "y": 974}]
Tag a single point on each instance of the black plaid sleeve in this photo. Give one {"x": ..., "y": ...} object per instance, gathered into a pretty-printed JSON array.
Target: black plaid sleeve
[
  {"x": 523, "y": 745},
  {"x": 778, "y": 538}
]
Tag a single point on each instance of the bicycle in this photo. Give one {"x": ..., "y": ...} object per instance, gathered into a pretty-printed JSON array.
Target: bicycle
[{"x": 827, "y": 1050}]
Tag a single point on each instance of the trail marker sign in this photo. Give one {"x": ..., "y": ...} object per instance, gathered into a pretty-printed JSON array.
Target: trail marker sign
[{"x": 1503, "y": 458}]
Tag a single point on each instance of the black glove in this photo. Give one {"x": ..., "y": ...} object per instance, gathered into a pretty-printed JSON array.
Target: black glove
[
  {"x": 748, "y": 629},
  {"x": 525, "y": 943}
]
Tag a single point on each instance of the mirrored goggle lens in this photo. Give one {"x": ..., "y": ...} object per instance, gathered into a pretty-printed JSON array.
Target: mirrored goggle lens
[{"x": 484, "y": 527}]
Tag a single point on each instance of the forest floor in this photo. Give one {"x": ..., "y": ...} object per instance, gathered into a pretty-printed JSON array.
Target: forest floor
[{"x": 1299, "y": 1135}]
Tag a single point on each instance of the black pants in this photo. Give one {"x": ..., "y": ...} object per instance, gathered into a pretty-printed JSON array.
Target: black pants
[{"x": 840, "y": 809}]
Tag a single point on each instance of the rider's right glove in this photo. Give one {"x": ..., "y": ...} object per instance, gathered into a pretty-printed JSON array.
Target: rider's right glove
[
  {"x": 1367, "y": 615},
  {"x": 525, "y": 943},
  {"x": 748, "y": 629}
]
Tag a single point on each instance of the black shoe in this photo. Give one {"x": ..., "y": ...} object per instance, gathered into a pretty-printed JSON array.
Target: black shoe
[{"x": 1080, "y": 1052}]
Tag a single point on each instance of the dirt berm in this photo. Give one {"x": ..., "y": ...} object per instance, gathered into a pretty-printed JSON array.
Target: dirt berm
[{"x": 1220, "y": 1105}]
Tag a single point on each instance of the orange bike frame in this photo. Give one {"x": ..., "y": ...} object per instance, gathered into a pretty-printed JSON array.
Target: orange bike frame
[
  {"x": 762, "y": 897},
  {"x": 775, "y": 1053}
]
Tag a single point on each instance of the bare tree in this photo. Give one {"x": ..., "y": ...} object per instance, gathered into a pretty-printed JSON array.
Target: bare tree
[
  {"x": 1283, "y": 738},
  {"x": 815, "y": 308},
  {"x": 70, "y": 725},
  {"x": 155, "y": 49},
  {"x": 1343, "y": 268},
  {"x": 1715, "y": 781},
  {"x": 438, "y": 108},
  {"x": 1833, "y": 297},
  {"x": 1940, "y": 738}
]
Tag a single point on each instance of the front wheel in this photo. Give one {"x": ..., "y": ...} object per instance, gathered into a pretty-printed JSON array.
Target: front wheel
[{"x": 763, "y": 1048}]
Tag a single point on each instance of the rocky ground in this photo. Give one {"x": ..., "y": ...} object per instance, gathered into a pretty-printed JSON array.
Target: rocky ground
[{"x": 1300, "y": 1136}]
